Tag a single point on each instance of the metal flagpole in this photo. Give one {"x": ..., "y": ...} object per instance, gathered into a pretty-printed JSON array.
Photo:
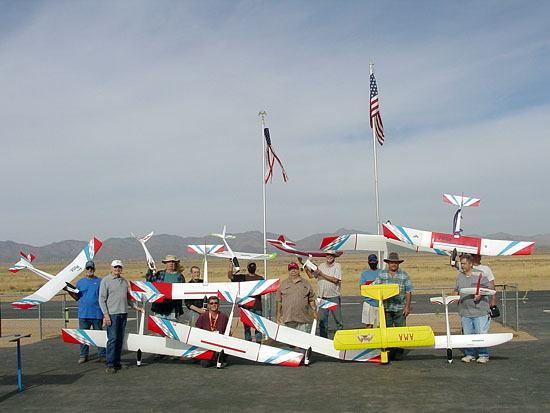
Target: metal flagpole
[
  {"x": 268, "y": 298},
  {"x": 371, "y": 66}
]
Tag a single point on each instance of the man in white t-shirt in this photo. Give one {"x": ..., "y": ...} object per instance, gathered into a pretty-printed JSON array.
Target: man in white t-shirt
[{"x": 329, "y": 279}]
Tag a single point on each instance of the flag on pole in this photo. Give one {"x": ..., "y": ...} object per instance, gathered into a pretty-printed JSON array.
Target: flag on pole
[
  {"x": 375, "y": 120},
  {"x": 271, "y": 157}
]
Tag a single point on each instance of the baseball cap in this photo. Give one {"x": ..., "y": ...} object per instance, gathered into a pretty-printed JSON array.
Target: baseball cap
[
  {"x": 373, "y": 257},
  {"x": 293, "y": 265},
  {"x": 90, "y": 264},
  {"x": 116, "y": 263}
]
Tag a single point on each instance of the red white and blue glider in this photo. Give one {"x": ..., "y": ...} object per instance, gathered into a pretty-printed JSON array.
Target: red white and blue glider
[
  {"x": 288, "y": 246},
  {"x": 461, "y": 201},
  {"x": 58, "y": 282}
]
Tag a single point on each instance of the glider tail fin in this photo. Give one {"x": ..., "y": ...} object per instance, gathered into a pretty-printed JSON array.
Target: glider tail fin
[
  {"x": 24, "y": 262},
  {"x": 379, "y": 291}
]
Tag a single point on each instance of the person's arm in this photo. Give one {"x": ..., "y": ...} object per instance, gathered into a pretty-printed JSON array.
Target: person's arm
[
  {"x": 196, "y": 309},
  {"x": 103, "y": 303},
  {"x": 333, "y": 280},
  {"x": 279, "y": 318},
  {"x": 314, "y": 308},
  {"x": 494, "y": 297},
  {"x": 230, "y": 274},
  {"x": 75, "y": 296},
  {"x": 407, "y": 309}
]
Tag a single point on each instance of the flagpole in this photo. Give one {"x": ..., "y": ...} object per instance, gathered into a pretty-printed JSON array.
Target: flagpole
[
  {"x": 371, "y": 67},
  {"x": 263, "y": 114}
]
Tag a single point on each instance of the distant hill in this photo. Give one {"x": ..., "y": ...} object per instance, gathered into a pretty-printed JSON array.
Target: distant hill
[{"x": 160, "y": 245}]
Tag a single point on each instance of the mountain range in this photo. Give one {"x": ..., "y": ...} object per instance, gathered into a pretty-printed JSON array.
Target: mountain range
[{"x": 161, "y": 245}]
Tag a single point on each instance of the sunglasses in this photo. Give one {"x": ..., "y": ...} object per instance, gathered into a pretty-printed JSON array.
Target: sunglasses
[
  {"x": 90, "y": 268},
  {"x": 117, "y": 266},
  {"x": 214, "y": 303}
]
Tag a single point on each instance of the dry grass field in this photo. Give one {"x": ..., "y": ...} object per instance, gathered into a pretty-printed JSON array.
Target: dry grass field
[{"x": 530, "y": 273}]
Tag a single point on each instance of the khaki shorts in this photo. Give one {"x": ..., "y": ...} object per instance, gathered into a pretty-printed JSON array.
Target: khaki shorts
[{"x": 369, "y": 314}]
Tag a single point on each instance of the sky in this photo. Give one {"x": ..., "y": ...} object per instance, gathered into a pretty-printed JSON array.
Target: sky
[{"x": 139, "y": 116}]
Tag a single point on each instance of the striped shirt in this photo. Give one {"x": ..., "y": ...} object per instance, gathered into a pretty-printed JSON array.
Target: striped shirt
[
  {"x": 325, "y": 288},
  {"x": 397, "y": 302}
]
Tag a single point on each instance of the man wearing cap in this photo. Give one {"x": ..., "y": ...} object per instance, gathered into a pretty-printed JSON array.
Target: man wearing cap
[
  {"x": 114, "y": 302},
  {"x": 89, "y": 312},
  {"x": 257, "y": 307},
  {"x": 369, "y": 315},
  {"x": 168, "y": 308},
  {"x": 398, "y": 307},
  {"x": 295, "y": 297},
  {"x": 329, "y": 279}
]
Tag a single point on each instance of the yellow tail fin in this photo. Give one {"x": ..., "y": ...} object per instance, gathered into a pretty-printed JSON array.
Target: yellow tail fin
[{"x": 380, "y": 291}]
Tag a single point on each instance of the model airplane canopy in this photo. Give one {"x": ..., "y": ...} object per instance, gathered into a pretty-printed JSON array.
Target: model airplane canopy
[
  {"x": 61, "y": 280},
  {"x": 448, "y": 242}
]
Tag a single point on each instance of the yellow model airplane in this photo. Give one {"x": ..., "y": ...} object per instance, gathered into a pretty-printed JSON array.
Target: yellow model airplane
[{"x": 383, "y": 337}]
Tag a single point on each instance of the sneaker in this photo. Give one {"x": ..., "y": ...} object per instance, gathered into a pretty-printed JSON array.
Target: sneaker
[
  {"x": 483, "y": 360},
  {"x": 467, "y": 359},
  {"x": 82, "y": 360},
  {"x": 101, "y": 359},
  {"x": 174, "y": 358},
  {"x": 110, "y": 370},
  {"x": 158, "y": 357},
  {"x": 121, "y": 367}
]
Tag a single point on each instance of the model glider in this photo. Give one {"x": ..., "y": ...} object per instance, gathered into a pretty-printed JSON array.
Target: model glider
[
  {"x": 204, "y": 250},
  {"x": 287, "y": 246},
  {"x": 446, "y": 300},
  {"x": 62, "y": 279},
  {"x": 26, "y": 262},
  {"x": 184, "y": 291},
  {"x": 369, "y": 242},
  {"x": 148, "y": 256},
  {"x": 222, "y": 343},
  {"x": 448, "y": 242},
  {"x": 137, "y": 342},
  {"x": 465, "y": 340},
  {"x": 235, "y": 256},
  {"x": 306, "y": 341},
  {"x": 383, "y": 337},
  {"x": 461, "y": 201}
]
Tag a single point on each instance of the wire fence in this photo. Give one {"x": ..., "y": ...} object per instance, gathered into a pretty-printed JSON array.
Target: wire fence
[{"x": 47, "y": 320}]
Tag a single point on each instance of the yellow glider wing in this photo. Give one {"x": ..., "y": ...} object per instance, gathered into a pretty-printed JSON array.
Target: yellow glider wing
[{"x": 418, "y": 336}]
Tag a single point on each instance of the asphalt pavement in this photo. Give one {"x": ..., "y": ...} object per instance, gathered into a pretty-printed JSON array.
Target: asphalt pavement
[{"x": 515, "y": 379}]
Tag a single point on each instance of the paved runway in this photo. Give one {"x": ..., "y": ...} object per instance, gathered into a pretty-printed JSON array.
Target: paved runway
[{"x": 515, "y": 379}]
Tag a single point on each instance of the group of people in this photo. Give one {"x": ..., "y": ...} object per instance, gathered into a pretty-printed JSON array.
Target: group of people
[{"x": 104, "y": 302}]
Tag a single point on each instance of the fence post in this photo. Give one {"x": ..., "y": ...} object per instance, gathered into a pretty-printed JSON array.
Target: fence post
[
  {"x": 517, "y": 307},
  {"x": 504, "y": 304},
  {"x": 64, "y": 311},
  {"x": 40, "y": 321}
]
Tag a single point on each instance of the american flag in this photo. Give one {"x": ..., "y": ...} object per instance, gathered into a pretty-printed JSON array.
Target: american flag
[
  {"x": 375, "y": 120},
  {"x": 271, "y": 157}
]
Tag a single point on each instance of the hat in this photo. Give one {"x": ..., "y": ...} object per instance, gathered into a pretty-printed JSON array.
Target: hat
[
  {"x": 394, "y": 256},
  {"x": 90, "y": 264},
  {"x": 293, "y": 265},
  {"x": 170, "y": 258},
  {"x": 116, "y": 263},
  {"x": 332, "y": 252},
  {"x": 373, "y": 257}
]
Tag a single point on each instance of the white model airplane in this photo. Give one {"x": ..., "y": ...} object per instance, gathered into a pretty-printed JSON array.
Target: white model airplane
[
  {"x": 224, "y": 344},
  {"x": 460, "y": 201},
  {"x": 185, "y": 291},
  {"x": 287, "y": 246},
  {"x": 150, "y": 261},
  {"x": 57, "y": 282},
  {"x": 204, "y": 250},
  {"x": 234, "y": 256},
  {"x": 465, "y": 340},
  {"x": 26, "y": 262},
  {"x": 307, "y": 341},
  {"x": 448, "y": 242}
]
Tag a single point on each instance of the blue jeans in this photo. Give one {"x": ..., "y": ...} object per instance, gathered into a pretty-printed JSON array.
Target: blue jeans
[
  {"x": 248, "y": 333},
  {"x": 476, "y": 325},
  {"x": 115, "y": 335},
  {"x": 85, "y": 324},
  {"x": 336, "y": 314}
]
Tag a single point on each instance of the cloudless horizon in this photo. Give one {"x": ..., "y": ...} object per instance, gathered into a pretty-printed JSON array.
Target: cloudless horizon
[{"x": 133, "y": 116}]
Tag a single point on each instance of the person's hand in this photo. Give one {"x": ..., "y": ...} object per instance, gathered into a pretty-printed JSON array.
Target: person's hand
[
  {"x": 315, "y": 316},
  {"x": 140, "y": 309},
  {"x": 406, "y": 311},
  {"x": 106, "y": 320},
  {"x": 280, "y": 320},
  {"x": 477, "y": 298}
]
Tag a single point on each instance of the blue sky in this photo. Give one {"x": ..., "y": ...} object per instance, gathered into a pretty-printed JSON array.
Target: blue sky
[{"x": 137, "y": 116}]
